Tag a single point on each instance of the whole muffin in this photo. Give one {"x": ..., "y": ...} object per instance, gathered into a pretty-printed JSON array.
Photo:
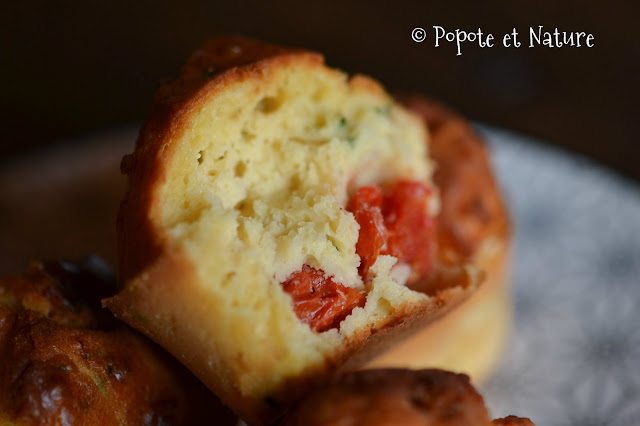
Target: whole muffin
[
  {"x": 396, "y": 397},
  {"x": 65, "y": 360}
]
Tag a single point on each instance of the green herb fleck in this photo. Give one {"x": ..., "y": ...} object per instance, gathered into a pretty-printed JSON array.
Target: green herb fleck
[
  {"x": 383, "y": 110},
  {"x": 99, "y": 383},
  {"x": 344, "y": 130}
]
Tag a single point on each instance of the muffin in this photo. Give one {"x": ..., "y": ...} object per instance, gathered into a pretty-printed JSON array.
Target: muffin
[
  {"x": 65, "y": 360},
  {"x": 388, "y": 397},
  {"x": 280, "y": 224}
]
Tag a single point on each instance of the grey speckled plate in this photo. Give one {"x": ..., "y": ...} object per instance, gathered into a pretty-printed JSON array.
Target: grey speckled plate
[{"x": 574, "y": 354}]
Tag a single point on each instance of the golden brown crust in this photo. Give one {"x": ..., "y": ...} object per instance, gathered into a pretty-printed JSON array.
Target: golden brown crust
[
  {"x": 165, "y": 279},
  {"x": 472, "y": 208},
  {"x": 512, "y": 421},
  {"x": 158, "y": 293},
  {"x": 65, "y": 360},
  {"x": 396, "y": 397}
]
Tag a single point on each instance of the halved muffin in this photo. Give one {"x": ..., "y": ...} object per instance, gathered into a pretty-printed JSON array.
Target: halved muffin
[{"x": 278, "y": 215}]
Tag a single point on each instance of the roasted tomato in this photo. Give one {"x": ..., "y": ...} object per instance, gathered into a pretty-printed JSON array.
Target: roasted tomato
[
  {"x": 394, "y": 221},
  {"x": 411, "y": 231},
  {"x": 318, "y": 300},
  {"x": 366, "y": 206}
]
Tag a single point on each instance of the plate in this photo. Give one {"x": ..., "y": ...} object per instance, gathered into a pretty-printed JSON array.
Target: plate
[{"x": 574, "y": 354}]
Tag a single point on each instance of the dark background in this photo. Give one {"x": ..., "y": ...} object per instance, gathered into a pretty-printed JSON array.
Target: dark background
[{"x": 73, "y": 69}]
